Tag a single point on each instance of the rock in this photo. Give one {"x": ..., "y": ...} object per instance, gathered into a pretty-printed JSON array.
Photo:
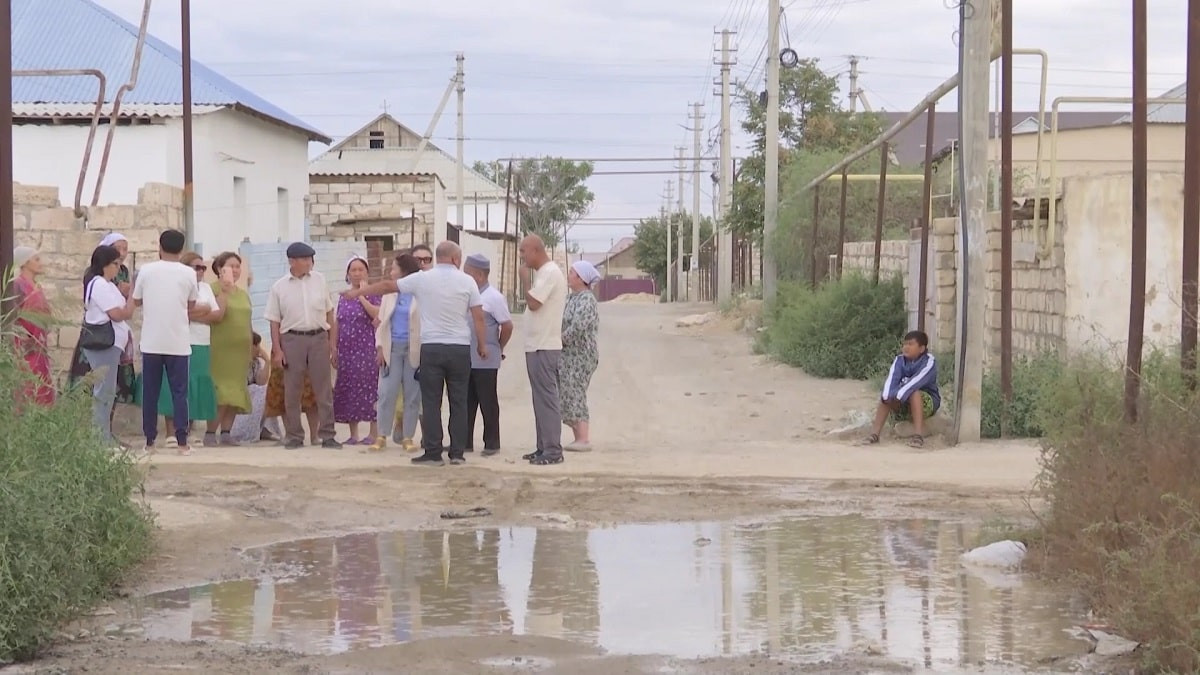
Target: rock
[{"x": 1108, "y": 644}]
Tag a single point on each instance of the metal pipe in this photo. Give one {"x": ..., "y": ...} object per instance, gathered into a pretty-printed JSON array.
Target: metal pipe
[
  {"x": 926, "y": 216},
  {"x": 7, "y": 236},
  {"x": 874, "y": 177},
  {"x": 816, "y": 225},
  {"x": 1052, "y": 205},
  {"x": 1137, "y": 281},
  {"x": 1037, "y": 178},
  {"x": 121, "y": 91},
  {"x": 91, "y": 139},
  {"x": 883, "y": 164},
  {"x": 842, "y": 222},
  {"x": 189, "y": 195},
  {"x": 1191, "y": 200},
  {"x": 1006, "y": 211}
]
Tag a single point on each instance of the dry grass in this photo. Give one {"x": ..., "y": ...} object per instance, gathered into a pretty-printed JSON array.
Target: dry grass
[{"x": 1124, "y": 505}]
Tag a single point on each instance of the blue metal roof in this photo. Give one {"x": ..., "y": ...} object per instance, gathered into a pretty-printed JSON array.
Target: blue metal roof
[{"x": 82, "y": 34}]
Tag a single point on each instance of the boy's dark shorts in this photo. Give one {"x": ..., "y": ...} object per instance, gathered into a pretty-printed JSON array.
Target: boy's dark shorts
[{"x": 905, "y": 415}]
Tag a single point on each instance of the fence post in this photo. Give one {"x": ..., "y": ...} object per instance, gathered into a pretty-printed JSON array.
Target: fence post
[
  {"x": 842, "y": 221},
  {"x": 883, "y": 164},
  {"x": 816, "y": 225}
]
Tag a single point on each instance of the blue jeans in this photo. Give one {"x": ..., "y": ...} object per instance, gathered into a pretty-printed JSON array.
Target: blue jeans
[
  {"x": 397, "y": 377},
  {"x": 176, "y": 370},
  {"x": 104, "y": 392}
]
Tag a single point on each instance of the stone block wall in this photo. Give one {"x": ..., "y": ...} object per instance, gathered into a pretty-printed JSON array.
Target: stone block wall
[
  {"x": 66, "y": 243},
  {"x": 350, "y": 207},
  {"x": 859, "y": 257}
]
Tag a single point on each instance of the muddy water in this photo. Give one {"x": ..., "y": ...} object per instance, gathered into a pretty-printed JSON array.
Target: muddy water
[{"x": 806, "y": 588}]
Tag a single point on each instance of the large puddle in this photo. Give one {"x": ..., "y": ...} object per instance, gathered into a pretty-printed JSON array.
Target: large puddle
[{"x": 806, "y": 588}]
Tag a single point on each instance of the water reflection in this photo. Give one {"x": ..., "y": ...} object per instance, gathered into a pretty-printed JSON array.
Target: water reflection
[{"x": 807, "y": 587}]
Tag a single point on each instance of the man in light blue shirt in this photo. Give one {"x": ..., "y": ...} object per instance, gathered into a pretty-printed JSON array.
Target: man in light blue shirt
[
  {"x": 482, "y": 394},
  {"x": 449, "y": 304}
]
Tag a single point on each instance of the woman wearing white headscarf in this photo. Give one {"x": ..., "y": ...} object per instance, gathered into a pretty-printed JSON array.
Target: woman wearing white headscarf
[{"x": 580, "y": 352}]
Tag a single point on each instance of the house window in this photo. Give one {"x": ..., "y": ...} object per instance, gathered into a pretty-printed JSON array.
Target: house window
[
  {"x": 376, "y": 140},
  {"x": 239, "y": 203},
  {"x": 283, "y": 213}
]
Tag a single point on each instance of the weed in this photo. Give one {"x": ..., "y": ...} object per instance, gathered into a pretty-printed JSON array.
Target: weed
[{"x": 70, "y": 529}]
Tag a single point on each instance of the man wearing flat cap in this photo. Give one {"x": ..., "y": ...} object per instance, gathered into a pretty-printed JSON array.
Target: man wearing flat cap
[
  {"x": 482, "y": 394},
  {"x": 304, "y": 342}
]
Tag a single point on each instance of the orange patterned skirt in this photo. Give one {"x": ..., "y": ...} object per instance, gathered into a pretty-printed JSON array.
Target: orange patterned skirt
[{"x": 275, "y": 405}]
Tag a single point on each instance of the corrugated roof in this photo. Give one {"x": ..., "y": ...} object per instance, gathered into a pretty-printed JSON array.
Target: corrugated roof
[
  {"x": 1164, "y": 113},
  {"x": 82, "y": 34},
  {"x": 86, "y": 110},
  {"x": 399, "y": 162}
]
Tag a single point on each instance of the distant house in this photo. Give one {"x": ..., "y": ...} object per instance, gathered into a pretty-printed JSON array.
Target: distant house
[
  {"x": 620, "y": 261},
  {"x": 250, "y": 157},
  {"x": 386, "y": 149}
]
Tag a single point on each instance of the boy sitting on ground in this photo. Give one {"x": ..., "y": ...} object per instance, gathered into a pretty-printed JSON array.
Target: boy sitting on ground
[{"x": 911, "y": 389}]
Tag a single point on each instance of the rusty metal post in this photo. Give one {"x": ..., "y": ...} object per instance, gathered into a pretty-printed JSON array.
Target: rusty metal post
[
  {"x": 842, "y": 222},
  {"x": 189, "y": 206},
  {"x": 1191, "y": 200},
  {"x": 1006, "y": 212},
  {"x": 1137, "y": 281},
  {"x": 926, "y": 217},
  {"x": 883, "y": 164},
  {"x": 816, "y": 226},
  {"x": 6, "y": 156}
]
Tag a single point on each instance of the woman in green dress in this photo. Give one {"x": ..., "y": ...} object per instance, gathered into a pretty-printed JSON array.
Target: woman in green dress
[{"x": 232, "y": 336}]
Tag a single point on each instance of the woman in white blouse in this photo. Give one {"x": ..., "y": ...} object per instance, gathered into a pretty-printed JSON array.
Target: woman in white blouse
[{"x": 103, "y": 303}]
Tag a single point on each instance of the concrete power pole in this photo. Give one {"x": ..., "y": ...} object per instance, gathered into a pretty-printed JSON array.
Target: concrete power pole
[
  {"x": 679, "y": 235},
  {"x": 853, "y": 93},
  {"x": 697, "y": 127},
  {"x": 770, "y": 274},
  {"x": 668, "y": 221},
  {"x": 459, "y": 178},
  {"x": 976, "y": 49},
  {"x": 724, "y": 257}
]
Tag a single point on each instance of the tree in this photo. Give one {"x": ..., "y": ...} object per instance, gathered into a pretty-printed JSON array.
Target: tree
[
  {"x": 810, "y": 121},
  {"x": 650, "y": 242},
  {"x": 553, "y": 193}
]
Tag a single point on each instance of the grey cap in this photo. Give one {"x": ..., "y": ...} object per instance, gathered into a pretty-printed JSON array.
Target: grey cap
[
  {"x": 479, "y": 262},
  {"x": 300, "y": 250}
]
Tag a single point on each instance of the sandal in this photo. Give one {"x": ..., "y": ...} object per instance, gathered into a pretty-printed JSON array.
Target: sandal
[
  {"x": 531, "y": 456},
  {"x": 546, "y": 461},
  {"x": 916, "y": 442},
  {"x": 871, "y": 439}
]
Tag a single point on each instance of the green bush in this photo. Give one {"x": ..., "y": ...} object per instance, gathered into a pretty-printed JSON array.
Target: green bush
[
  {"x": 69, "y": 527},
  {"x": 1031, "y": 381},
  {"x": 845, "y": 329},
  {"x": 1123, "y": 502}
]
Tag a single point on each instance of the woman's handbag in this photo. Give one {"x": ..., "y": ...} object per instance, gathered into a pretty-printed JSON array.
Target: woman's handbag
[{"x": 96, "y": 336}]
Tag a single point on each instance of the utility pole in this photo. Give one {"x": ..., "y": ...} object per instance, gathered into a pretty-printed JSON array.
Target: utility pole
[
  {"x": 189, "y": 199},
  {"x": 770, "y": 276},
  {"x": 668, "y": 223},
  {"x": 679, "y": 234},
  {"x": 459, "y": 179},
  {"x": 697, "y": 127},
  {"x": 724, "y": 257},
  {"x": 853, "y": 93},
  {"x": 976, "y": 49},
  {"x": 6, "y": 153}
]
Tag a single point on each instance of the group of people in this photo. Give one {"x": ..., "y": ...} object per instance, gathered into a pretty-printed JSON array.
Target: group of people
[{"x": 435, "y": 328}]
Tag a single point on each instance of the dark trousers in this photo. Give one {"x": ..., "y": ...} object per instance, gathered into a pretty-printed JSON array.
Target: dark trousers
[
  {"x": 154, "y": 366},
  {"x": 444, "y": 369},
  {"x": 482, "y": 396}
]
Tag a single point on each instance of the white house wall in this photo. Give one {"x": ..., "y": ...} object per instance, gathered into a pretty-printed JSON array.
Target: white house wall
[
  {"x": 228, "y": 145},
  {"x": 45, "y": 154}
]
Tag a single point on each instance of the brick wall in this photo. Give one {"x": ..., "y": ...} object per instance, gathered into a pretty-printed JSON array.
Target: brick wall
[
  {"x": 349, "y": 207},
  {"x": 66, "y": 244}
]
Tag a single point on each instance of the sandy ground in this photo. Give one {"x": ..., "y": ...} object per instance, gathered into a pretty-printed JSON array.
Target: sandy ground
[{"x": 689, "y": 425}]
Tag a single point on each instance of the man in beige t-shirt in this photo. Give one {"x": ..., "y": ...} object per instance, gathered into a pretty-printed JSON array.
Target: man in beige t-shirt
[{"x": 545, "y": 298}]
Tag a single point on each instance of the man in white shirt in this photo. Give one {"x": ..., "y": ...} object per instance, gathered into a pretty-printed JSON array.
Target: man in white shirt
[
  {"x": 545, "y": 298},
  {"x": 449, "y": 303},
  {"x": 304, "y": 342},
  {"x": 166, "y": 290},
  {"x": 482, "y": 394}
]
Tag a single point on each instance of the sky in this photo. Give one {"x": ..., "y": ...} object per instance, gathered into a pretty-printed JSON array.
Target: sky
[{"x": 615, "y": 79}]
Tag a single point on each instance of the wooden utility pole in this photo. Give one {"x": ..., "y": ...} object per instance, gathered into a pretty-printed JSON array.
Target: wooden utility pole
[
  {"x": 975, "y": 58},
  {"x": 6, "y": 152}
]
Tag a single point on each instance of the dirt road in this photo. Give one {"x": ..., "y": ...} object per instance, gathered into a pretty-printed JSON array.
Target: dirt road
[{"x": 688, "y": 425}]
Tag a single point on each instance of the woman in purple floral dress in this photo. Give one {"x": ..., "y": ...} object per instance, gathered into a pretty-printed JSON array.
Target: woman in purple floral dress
[{"x": 356, "y": 389}]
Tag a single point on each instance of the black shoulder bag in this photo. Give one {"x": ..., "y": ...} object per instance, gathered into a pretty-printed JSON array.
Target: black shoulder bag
[{"x": 95, "y": 336}]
